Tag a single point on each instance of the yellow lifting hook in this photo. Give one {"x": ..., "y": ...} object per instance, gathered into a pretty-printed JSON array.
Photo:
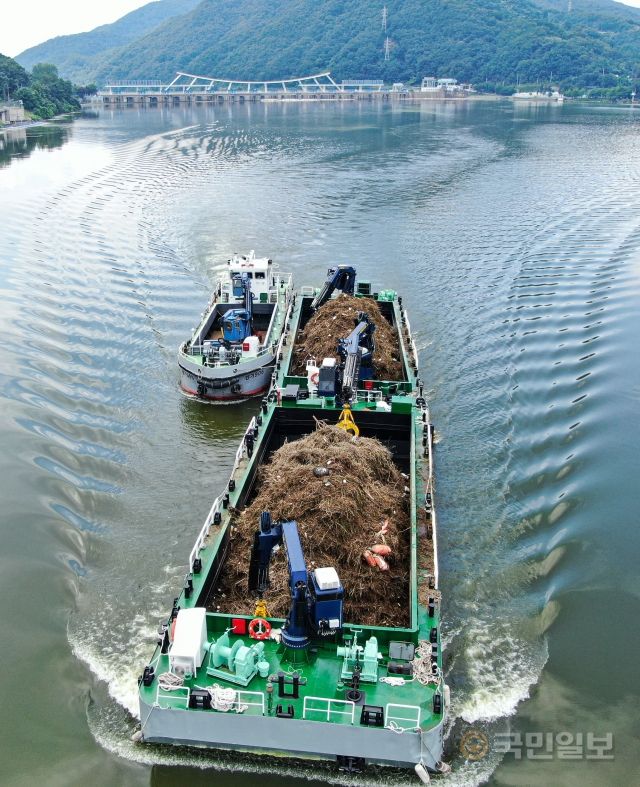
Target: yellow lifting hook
[
  {"x": 346, "y": 421},
  {"x": 261, "y": 609}
]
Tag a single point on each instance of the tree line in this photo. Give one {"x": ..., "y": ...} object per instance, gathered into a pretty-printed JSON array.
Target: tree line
[{"x": 42, "y": 92}]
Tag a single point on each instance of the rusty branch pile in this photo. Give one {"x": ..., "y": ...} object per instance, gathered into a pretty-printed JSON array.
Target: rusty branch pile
[
  {"x": 346, "y": 495},
  {"x": 335, "y": 320}
]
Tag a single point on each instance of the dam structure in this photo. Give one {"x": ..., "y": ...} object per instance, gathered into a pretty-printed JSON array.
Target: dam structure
[{"x": 192, "y": 89}]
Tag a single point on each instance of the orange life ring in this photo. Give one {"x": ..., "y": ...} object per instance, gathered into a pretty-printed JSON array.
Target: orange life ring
[
  {"x": 315, "y": 378},
  {"x": 172, "y": 632},
  {"x": 259, "y": 628}
]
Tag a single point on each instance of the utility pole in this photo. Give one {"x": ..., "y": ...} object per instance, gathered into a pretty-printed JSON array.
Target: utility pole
[{"x": 387, "y": 55}]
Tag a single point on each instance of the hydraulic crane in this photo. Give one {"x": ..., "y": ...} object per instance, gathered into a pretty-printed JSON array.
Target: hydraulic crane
[
  {"x": 342, "y": 277},
  {"x": 356, "y": 362},
  {"x": 356, "y": 352},
  {"x": 316, "y": 596}
]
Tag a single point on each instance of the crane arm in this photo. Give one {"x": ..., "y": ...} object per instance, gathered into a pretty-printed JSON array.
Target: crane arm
[
  {"x": 358, "y": 346},
  {"x": 265, "y": 540},
  {"x": 343, "y": 278}
]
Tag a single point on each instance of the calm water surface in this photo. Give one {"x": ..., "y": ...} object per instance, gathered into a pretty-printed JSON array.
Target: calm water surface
[{"x": 514, "y": 235}]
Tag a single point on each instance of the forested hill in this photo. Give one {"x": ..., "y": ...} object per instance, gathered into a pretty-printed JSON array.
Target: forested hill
[
  {"x": 479, "y": 41},
  {"x": 78, "y": 56}
]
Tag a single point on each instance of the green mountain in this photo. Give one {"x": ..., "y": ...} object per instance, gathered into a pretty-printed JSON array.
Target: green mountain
[
  {"x": 78, "y": 56},
  {"x": 481, "y": 41}
]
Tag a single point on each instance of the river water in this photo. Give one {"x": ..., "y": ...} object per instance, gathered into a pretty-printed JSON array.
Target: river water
[{"x": 514, "y": 234}]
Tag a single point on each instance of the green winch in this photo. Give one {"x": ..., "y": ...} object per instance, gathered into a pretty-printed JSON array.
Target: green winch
[
  {"x": 237, "y": 663},
  {"x": 365, "y": 657}
]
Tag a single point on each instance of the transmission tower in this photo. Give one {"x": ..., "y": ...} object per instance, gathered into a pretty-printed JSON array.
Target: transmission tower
[
  {"x": 386, "y": 49},
  {"x": 569, "y": 6},
  {"x": 384, "y": 18}
]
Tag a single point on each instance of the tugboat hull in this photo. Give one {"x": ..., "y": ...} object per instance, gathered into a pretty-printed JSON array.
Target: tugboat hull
[{"x": 226, "y": 384}]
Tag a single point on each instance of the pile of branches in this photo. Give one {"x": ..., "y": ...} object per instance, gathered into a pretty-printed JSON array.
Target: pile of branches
[
  {"x": 346, "y": 494},
  {"x": 335, "y": 320}
]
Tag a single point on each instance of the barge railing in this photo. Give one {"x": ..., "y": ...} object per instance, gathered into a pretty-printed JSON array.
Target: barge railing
[
  {"x": 413, "y": 720},
  {"x": 218, "y": 505},
  {"x": 242, "y": 703},
  {"x": 174, "y": 698},
  {"x": 204, "y": 532},
  {"x": 328, "y": 708}
]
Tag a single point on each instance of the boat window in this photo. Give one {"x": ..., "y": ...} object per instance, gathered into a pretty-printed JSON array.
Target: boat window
[
  {"x": 249, "y": 274},
  {"x": 260, "y": 275}
]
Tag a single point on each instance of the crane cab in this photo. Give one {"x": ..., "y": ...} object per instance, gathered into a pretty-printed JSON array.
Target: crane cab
[{"x": 328, "y": 596}]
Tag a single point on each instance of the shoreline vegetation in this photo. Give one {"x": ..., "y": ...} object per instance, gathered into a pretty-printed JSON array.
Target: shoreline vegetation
[{"x": 43, "y": 94}]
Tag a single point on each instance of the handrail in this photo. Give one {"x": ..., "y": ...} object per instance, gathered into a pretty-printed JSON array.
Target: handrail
[
  {"x": 271, "y": 324},
  {"x": 240, "y": 701},
  {"x": 329, "y": 710},
  {"x": 283, "y": 335},
  {"x": 217, "y": 503},
  {"x": 389, "y": 717},
  {"x": 175, "y": 694},
  {"x": 204, "y": 532},
  {"x": 240, "y": 452},
  {"x": 412, "y": 347}
]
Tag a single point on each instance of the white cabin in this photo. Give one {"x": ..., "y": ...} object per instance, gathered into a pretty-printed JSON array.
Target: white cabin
[{"x": 258, "y": 269}]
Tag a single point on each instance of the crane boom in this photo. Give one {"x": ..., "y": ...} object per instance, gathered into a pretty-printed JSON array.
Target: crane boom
[
  {"x": 355, "y": 350},
  {"x": 316, "y": 607},
  {"x": 342, "y": 277}
]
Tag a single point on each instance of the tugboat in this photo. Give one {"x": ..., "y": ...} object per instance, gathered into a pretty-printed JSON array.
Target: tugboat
[
  {"x": 336, "y": 671},
  {"x": 231, "y": 352}
]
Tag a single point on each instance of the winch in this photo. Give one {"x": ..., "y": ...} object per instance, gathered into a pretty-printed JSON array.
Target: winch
[{"x": 240, "y": 661}]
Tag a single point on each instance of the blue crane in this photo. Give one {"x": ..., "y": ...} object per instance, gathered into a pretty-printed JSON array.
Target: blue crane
[
  {"x": 316, "y": 608},
  {"x": 342, "y": 277}
]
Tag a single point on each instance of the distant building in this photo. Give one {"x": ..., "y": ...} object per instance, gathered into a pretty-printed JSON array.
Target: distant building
[
  {"x": 429, "y": 85},
  {"x": 444, "y": 87},
  {"x": 11, "y": 112}
]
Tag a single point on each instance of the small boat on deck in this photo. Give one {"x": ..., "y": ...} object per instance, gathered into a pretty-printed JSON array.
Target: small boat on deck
[{"x": 230, "y": 354}]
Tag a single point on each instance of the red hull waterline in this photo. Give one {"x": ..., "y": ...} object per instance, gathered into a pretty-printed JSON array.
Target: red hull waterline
[{"x": 246, "y": 395}]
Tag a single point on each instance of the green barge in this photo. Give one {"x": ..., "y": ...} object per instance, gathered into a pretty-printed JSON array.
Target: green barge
[{"x": 313, "y": 685}]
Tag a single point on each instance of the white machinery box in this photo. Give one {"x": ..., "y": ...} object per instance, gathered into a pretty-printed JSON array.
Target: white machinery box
[{"x": 189, "y": 640}]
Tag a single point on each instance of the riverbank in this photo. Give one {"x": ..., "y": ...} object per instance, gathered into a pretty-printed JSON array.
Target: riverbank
[{"x": 32, "y": 122}]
